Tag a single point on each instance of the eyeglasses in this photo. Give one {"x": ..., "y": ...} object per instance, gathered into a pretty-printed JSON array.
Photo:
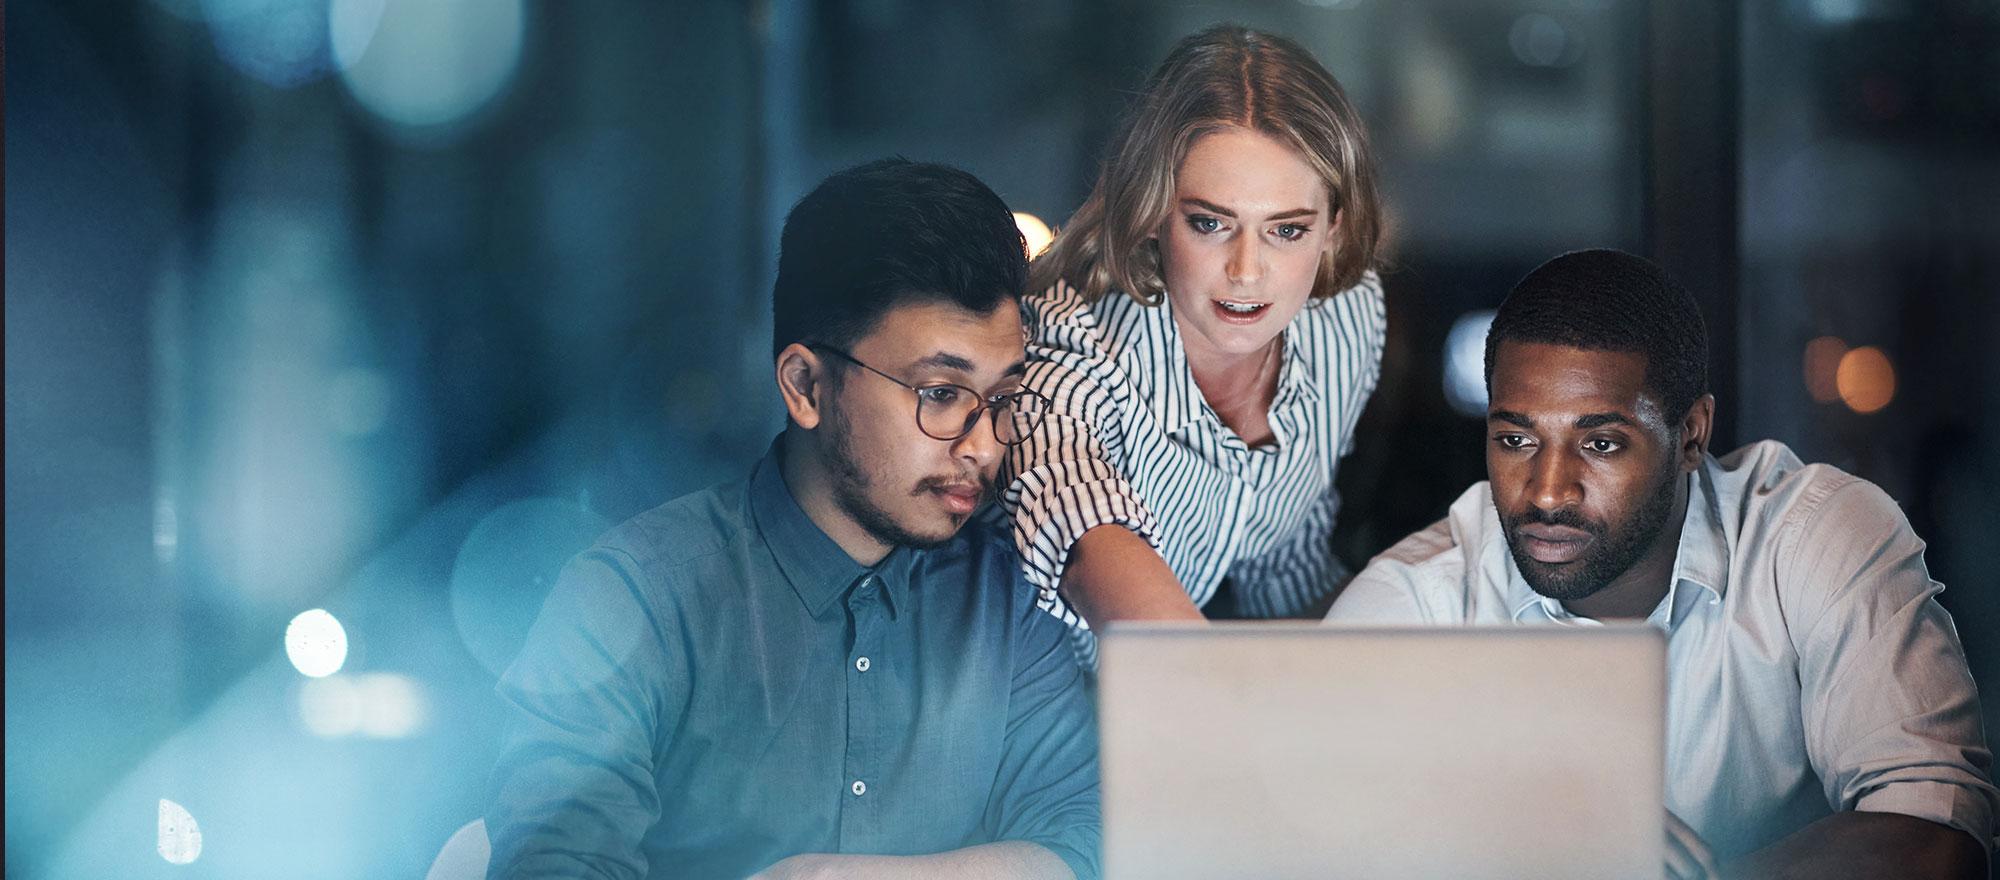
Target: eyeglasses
[{"x": 947, "y": 412}]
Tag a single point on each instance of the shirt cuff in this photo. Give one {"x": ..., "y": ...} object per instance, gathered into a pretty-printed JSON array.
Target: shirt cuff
[{"x": 1945, "y": 803}]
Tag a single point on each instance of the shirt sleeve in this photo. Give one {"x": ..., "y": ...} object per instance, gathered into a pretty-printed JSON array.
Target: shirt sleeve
[
  {"x": 1891, "y": 712},
  {"x": 1046, "y": 789},
  {"x": 1299, "y": 571},
  {"x": 1065, "y": 479},
  {"x": 573, "y": 794}
]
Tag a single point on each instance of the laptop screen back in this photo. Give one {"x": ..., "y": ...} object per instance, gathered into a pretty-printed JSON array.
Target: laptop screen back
[{"x": 1300, "y": 750}]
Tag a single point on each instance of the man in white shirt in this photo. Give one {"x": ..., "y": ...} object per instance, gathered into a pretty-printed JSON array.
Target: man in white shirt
[{"x": 1821, "y": 720}]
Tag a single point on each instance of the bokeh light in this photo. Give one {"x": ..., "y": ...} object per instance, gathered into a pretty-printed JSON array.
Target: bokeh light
[
  {"x": 392, "y": 707},
  {"x": 426, "y": 64},
  {"x": 1034, "y": 232},
  {"x": 1866, "y": 379},
  {"x": 180, "y": 836},
  {"x": 1465, "y": 363},
  {"x": 281, "y": 43},
  {"x": 1539, "y": 40},
  {"x": 382, "y": 705},
  {"x": 505, "y": 569},
  {"x": 1822, "y": 365},
  {"x": 316, "y": 643},
  {"x": 330, "y": 707}
]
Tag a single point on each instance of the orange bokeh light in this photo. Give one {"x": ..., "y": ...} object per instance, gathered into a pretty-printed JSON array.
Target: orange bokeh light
[
  {"x": 1822, "y": 363},
  {"x": 1866, "y": 379},
  {"x": 1035, "y": 232}
]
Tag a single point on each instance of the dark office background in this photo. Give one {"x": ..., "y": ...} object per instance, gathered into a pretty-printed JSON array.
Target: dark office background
[{"x": 384, "y": 308}]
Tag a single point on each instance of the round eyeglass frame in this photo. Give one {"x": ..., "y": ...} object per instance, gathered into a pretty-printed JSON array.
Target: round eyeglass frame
[{"x": 972, "y": 418}]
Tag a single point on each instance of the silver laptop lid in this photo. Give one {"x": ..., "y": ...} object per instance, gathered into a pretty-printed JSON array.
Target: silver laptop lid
[{"x": 1301, "y": 750}]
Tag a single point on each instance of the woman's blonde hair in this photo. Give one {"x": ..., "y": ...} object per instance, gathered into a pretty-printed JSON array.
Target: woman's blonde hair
[{"x": 1227, "y": 76}]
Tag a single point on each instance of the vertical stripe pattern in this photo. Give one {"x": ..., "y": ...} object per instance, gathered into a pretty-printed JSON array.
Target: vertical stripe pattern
[{"x": 1131, "y": 441}]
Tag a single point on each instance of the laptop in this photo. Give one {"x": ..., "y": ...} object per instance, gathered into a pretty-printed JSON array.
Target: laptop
[{"x": 1303, "y": 750}]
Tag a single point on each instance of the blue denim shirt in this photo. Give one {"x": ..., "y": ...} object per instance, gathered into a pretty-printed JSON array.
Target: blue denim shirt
[{"x": 716, "y": 685}]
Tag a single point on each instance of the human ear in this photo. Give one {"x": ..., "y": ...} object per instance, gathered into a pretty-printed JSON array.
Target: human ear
[
  {"x": 801, "y": 382},
  {"x": 1696, "y": 429}
]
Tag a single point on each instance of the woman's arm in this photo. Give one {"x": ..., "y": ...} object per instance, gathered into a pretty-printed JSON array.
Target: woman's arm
[{"x": 1114, "y": 574}]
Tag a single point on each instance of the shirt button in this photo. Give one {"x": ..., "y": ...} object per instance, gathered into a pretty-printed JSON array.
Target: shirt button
[
  {"x": 861, "y": 665},
  {"x": 860, "y": 788}
]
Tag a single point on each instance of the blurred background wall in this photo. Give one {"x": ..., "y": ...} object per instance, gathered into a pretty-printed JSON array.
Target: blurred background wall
[{"x": 334, "y": 326}]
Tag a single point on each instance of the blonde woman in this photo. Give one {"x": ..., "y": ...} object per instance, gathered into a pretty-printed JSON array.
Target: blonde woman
[{"x": 1208, "y": 327}]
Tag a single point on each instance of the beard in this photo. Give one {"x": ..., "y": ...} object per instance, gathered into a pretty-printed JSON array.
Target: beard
[
  {"x": 1613, "y": 550},
  {"x": 852, "y": 483}
]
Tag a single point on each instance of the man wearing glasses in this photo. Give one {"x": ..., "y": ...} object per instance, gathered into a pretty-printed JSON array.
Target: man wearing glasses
[{"x": 822, "y": 670}]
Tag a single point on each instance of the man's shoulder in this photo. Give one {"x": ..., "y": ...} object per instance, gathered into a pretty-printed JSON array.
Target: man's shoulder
[
  {"x": 1434, "y": 575},
  {"x": 1454, "y": 543},
  {"x": 1809, "y": 521},
  {"x": 1768, "y": 489},
  {"x": 688, "y": 528}
]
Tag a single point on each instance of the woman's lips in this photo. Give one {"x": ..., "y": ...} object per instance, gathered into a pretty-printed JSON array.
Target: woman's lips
[{"x": 1239, "y": 317}]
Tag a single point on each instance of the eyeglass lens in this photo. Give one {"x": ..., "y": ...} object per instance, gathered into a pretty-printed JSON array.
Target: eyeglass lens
[{"x": 949, "y": 416}]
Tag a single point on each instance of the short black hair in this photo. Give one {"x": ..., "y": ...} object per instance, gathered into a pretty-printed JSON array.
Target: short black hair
[
  {"x": 889, "y": 232},
  {"x": 1607, "y": 300}
]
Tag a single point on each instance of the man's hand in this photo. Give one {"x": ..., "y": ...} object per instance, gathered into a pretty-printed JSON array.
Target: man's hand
[{"x": 1688, "y": 857}]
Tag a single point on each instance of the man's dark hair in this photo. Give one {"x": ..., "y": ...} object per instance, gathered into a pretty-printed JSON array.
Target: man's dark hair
[
  {"x": 889, "y": 232},
  {"x": 1606, "y": 300}
]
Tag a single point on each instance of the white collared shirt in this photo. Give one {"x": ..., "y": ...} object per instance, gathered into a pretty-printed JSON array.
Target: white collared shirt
[
  {"x": 1809, "y": 666},
  {"x": 1132, "y": 441}
]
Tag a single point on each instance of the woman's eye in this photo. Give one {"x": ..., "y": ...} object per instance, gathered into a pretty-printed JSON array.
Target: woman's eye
[
  {"x": 1203, "y": 224},
  {"x": 1293, "y": 231}
]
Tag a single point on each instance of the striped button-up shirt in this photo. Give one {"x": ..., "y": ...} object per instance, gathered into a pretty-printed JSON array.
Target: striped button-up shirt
[
  {"x": 1809, "y": 665},
  {"x": 1131, "y": 441}
]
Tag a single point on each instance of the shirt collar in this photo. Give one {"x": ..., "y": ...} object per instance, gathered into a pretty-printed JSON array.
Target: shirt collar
[
  {"x": 818, "y": 570},
  {"x": 1701, "y": 562},
  {"x": 1703, "y": 556},
  {"x": 1176, "y": 400}
]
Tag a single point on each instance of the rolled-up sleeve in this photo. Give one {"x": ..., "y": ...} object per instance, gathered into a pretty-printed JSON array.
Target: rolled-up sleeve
[
  {"x": 1066, "y": 478},
  {"x": 1891, "y": 711},
  {"x": 1046, "y": 789},
  {"x": 573, "y": 794}
]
